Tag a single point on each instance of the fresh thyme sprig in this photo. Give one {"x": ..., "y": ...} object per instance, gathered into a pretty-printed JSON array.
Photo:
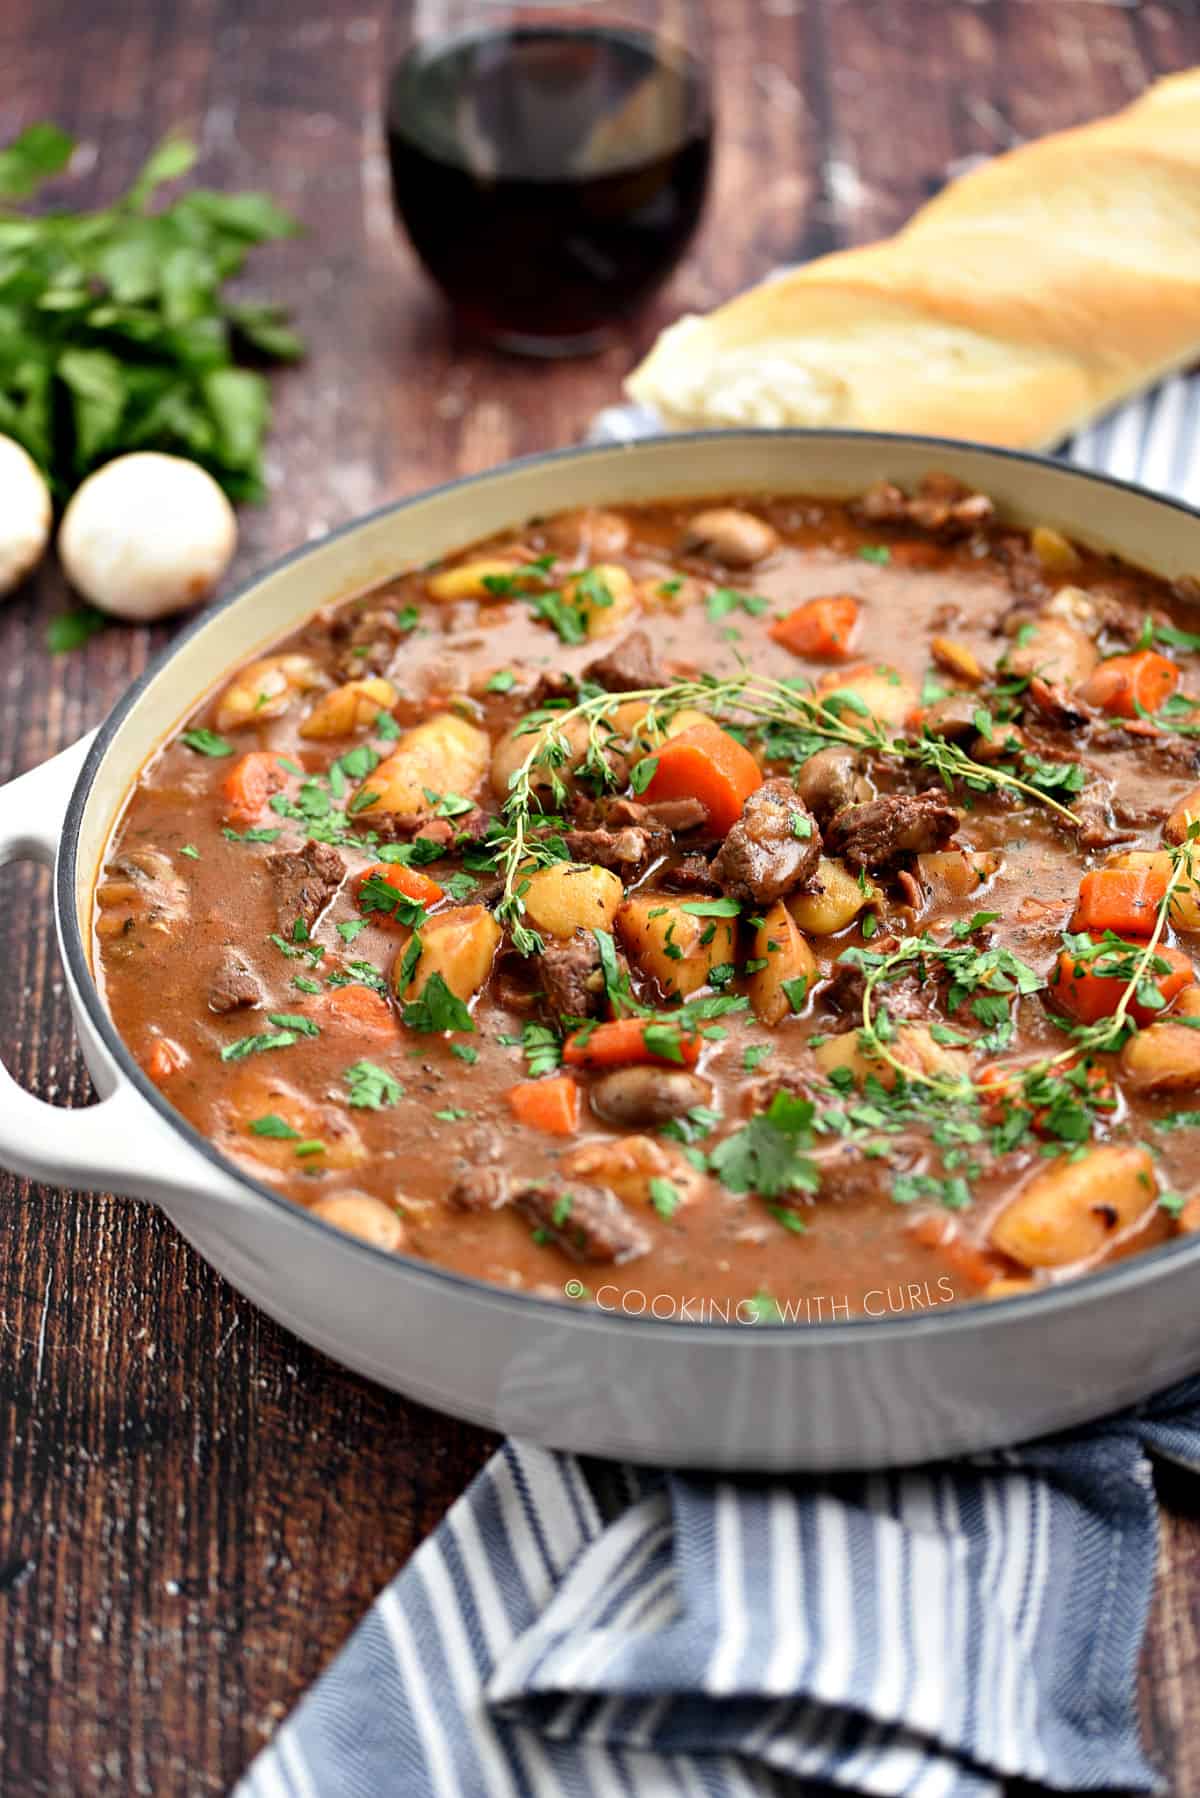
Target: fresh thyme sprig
[{"x": 746, "y": 699}]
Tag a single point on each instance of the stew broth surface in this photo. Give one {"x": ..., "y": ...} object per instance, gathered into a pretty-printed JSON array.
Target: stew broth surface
[{"x": 281, "y": 1036}]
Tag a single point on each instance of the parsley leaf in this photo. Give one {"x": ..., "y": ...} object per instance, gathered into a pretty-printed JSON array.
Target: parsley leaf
[
  {"x": 769, "y": 1154},
  {"x": 437, "y": 1009},
  {"x": 206, "y": 742},
  {"x": 370, "y": 1087}
]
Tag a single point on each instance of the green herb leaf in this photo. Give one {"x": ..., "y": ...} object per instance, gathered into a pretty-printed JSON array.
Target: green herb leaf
[
  {"x": 437, "y": 1008},
  {"x": 769, "y": 1154},
  {"x": 71, "y": 630},
  {"x": 371, "y": 1088},
  {"x": 206, "y": 742}
]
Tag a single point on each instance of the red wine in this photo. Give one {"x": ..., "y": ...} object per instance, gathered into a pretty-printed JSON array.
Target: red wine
[{"x": 549, "y": 177}]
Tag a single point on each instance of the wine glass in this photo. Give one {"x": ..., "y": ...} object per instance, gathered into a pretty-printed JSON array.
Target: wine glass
[{"x": 550, "y": 162}]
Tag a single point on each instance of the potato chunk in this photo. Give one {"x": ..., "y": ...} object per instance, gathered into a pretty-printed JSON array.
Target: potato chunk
[
  {"x": 889, "y": 696},
  {"x": 782, "y": 945},
  {"x": 459, "y": 944},
  {"x": 469, "y": 580},
  {"x": 1185, "y": 813},
  {"x": 675, "y": 947},
  {"x": 836, "y": 902},
  {"x": 261, "y": 1098},
  {"x": 1075, "y": 1209},
  {"x": 604, "y": 597},
  {"x": 1057, "y": 650},
  {"x": 564, "y": 898},
  {"x": 350, "y": 707},
  {"x": 265, "y": 690},
  {"x": 1165, "y": 1058},
  {"x": 515, "y": 747},
  {"x": 913, "y": 1045},
  {"x": 362, "y": 1215},
  {"x": 630, "y": 1165},
  {"x": 443, "y": 755}
]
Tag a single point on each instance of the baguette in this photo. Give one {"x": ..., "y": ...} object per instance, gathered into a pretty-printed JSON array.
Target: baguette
[{"x": 1026, "y": 298}]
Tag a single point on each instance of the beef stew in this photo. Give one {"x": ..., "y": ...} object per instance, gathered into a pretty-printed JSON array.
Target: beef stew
[{"x": 758, "y": 908}]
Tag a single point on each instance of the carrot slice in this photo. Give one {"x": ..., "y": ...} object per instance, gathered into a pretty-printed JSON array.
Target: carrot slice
[
  {"x": 548, "y": 1105},
  {"x": 409, "y": 882},
  {"x": 704, "y": 762},
  {"x": 977, "y": 1266},
  {"x": 165, "y": 1058},
  {"x": 623, "y": 1041},
  {"x": 361, "y": 1008},
  {"x": 250, "y": 783},
  {"x": 820, "y": 628},
  {"x": 1128, "y": 685},
  {"x": 1122, "y": 899},
  {"x": 1077, "y": 989}
]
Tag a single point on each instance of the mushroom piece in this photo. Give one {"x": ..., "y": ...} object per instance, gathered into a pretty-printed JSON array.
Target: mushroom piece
[
  {"x": 147, "y": 535},
  {"x": 24, "y": 515}
]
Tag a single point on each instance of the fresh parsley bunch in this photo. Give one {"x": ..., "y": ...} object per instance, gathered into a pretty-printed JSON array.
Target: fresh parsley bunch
[{"x": 114, "y": 332}]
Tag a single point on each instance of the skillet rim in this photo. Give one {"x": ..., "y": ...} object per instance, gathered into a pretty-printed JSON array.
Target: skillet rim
[{"x": 1137, "y": 1269}]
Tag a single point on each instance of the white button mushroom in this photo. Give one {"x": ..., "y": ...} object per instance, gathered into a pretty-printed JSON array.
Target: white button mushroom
[
  {"x": 24, "y": 514},
  {"x": 147, "y": 535}
]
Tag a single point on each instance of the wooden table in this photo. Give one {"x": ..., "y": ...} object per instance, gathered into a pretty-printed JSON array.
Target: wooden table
[{"x": 195, "y": 1509}]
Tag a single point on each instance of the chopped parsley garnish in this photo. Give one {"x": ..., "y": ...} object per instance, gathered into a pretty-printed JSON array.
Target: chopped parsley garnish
[
  {"x": 770, "y": 1155},
  {"x": 206, "y": 742},
  {"x": 294, "y": 1020},
  {"x": 875, "y": 552},
  {"x": 503, "y": 681},
  {"x": 379, "y": 895},
  {"x": 273, "y": 1125},
  {"x": 665, "y": 1197},
  {"x": 437, "y": 1008},
  {"x": 371, "y": 1088},
  {"x": 724, "y": 600}
]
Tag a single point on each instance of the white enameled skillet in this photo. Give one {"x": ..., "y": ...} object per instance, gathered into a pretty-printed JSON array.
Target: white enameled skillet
[{"x": 907, "y": 1388}]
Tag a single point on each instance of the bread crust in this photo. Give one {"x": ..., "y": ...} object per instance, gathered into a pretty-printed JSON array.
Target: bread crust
[{"x": 1027, "y": 297}]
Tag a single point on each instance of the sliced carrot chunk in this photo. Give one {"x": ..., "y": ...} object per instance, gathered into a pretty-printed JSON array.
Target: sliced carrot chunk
[
  {"x": 551, "y": 1105},
  {"x": 822, "y": 629},
  {"x": 250, "y": 784},
  {"x": 1129, "y": 685},
  {"x": 1122, "y": 899},
  {"x": 362, "y": 1009},
  {"x": 166, "y": 1058},
  {"x": 704, "y": 762},
  {"x": 409, "y": 882},
  {"x": 1077, "y": 989},
  {"x": 623, "y": 1041}
]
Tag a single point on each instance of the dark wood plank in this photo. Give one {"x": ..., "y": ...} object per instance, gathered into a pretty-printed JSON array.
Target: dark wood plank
[{"x": 194, "y": 1508}]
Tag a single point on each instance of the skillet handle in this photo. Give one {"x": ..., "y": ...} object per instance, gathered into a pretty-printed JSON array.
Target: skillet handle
[{"x": 120, "y": 1145}]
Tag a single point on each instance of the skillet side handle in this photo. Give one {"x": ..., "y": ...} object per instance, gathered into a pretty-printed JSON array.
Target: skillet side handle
[{"x": 119, "y": 1145}]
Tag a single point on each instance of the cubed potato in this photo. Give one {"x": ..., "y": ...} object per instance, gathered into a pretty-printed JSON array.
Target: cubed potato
[
  {"x": 669, "y": 592},
  {"x": 836, "y": 901},
  {"x": 443, "y": 755},
  {"x": 912, "y": 1045},
  {"x": 1165, "y": 1057},
  {"x": 604, "y": 596},
  {"x": 565, "y": 897},
  {"x": 958, "y": 659},
  {"x": 628, "y": 1164},
  {"x": 469, "y": 580},
  {"x": 673, "y": 946},
  {"x": 459, "y": 944},
  {"x": 362, "y": 1215},
  {"x": 781, "y": 943},
  {"x": 952, "y": 874},
  {"x": 631, "y": 720},
  {"x": 255, "y": 1096},
  {"x": 1056, "y": 553},
  {"x": 1185, "y": 896},
  {"x": 264, "y": 690},
  {"x": 351, "y": 707},
  {"x": 1184, "y": 814},
  {"x": 1074, "y": 1210},
  {"x": 889, "y": 696},
  {"x": 514, "y": 748}
]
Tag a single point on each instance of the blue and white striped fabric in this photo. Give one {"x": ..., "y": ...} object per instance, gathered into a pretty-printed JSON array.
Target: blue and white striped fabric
[{"x": 576, "y": 1630}]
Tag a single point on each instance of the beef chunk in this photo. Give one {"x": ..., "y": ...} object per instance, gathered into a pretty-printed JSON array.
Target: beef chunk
[
  {"x": 365, "y": 643},
  {"x": 881, "y": 830},
  {"x": 481, "y": 1189},
  {"x": 624, "y": 851},
  {"x": 773, "y": 848},
  {"x": 628, "y": 666},
  {"x": 664, "y": 814},
  {"x": 571, "y": 977},
  {"x": 1096, "y": 829},
  {"x": 305, "y": 881},
  {"x": 589, "y": 1223},
  {"x": 941, "y": 504},
  {"x": 234, "y": 985},
  {"x": 694, "y": 874}
]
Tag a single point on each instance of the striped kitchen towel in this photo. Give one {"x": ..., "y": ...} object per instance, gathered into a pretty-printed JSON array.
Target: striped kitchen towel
[
  {"x": 577, "y": 1630},
  {"x": 581, "y": 1631}
]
